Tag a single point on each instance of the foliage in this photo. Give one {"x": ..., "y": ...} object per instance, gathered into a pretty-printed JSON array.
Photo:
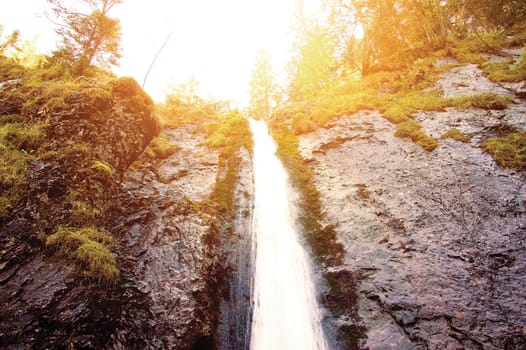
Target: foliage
[
  {"x": 88, "y": 247},
  {"x": 8, "y": 42},
  {"x": 313, "y": 68},
  {"x": 483, "y": 101},
  {"x": 413, "y": 130},
  {"x": 18, "y": 143},
  {"x": 262, "y": 87},
  {"x": 89, "y": 36},
  {"x": 161, "y": 148},
  {"x": 228, "y": 136},
  {"x": 508, "y": 151},
  {"x": 181, "y": 109},
  {"x": 506, "y": 71},
  {"x": 486, "y": 13},
  {"x": 456, "y": 134},
  {"x": 102, "y": 168}
]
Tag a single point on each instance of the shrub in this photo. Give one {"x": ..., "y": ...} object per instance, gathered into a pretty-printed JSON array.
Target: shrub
[
  {"x": 413, "y": 131},
  {"x": 508, "y": 151},
  {"x": 456, "y": 135},
  {"x": 88, "y": 248}
]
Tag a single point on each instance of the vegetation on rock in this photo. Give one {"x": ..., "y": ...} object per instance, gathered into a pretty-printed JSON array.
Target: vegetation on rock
[
  {"x": 62, "y": 152},
  {"x": 508, "y": 151}
]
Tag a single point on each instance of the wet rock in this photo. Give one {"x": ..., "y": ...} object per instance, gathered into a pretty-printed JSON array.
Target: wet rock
[
  {"x": 437, "y": 239},
  {"x": 47, "y": 303},
  {"x": 237, "y": 250},
  {"x": 170, "y": 242}
]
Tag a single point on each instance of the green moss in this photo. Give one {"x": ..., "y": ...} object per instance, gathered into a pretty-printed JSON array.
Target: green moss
[
  {"x": 161, "y": 148},
  {"x": 236, "y": 131},
  {"x": 321, "y": 239},
  {"x": 483, "y": 101},
  {"x": 456, "y": 135},
  {"x": 216, "y": 140},
  {"x": 413, "y": 131},
  {"x": 81, "y": 214},
  {"x": 88, "y": 247},
  {"x": 509, "y": 71},
  {"x": 508, "y": 151},
  {"x": 102, "y": 168},
  {"x": 5, "y": 207}
]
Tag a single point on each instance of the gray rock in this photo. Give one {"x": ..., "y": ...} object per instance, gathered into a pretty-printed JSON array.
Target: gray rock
[{"x": 438, "y": 238}]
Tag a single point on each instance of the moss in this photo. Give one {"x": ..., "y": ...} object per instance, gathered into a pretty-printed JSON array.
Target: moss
[
  {"x": 456, "y": 135},
  {"x": 14, "y": 171},
  {"x": 509, "y": 71},
  {"x": 413, "y": 131},
  {"x": 81, "y": 214},
  {"x": 161, "y": 148},
  {"x": 21, "y": 136},
  {"x": 508, "y": 151},
  {"x": 5, "y": 207},
  {"x": 88, "y": 247},
  {"x": 321, "y": 239},
  {"x": 235, "y": 127},
  {"x": 484, "y": 101},
  {"x": 216, "y": 140},
  {"x": 102, "y": 168}
]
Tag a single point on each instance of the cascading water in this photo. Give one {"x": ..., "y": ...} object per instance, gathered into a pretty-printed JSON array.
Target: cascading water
[{"x": 286, "y": 314}]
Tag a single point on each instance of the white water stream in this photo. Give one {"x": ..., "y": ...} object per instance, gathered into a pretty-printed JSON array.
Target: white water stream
[{"x": 286, "y": 314}]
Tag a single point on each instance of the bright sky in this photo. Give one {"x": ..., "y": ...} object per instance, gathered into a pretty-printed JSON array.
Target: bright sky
[{"x": 215, "y": 41}]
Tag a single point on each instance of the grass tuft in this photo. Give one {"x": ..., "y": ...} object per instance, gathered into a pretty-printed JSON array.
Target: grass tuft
[
  {"x": 508, "y": 151},
  {"x": 456, "y": 134},
  {"x": 88, "y": 248},
  {"x": 413, "y": 131}
]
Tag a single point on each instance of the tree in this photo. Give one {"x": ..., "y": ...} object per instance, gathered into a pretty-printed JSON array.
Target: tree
[
  {"x": 263, "y": 87},
  {"x": 488, "y": 14},
  {"x": 314, "y": 65},
  {"x": 8, "y": 42},
  {"x": 88, "y": 34}
]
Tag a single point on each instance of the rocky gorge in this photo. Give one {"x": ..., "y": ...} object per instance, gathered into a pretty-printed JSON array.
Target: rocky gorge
[{"x": 434, "y": 243}]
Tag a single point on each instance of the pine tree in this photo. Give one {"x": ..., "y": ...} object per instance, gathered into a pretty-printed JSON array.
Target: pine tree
[{"x": 89, "y": 36}]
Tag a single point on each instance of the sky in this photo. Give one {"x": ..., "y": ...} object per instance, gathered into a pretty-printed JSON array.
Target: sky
[{"x": 215, "y": 41}]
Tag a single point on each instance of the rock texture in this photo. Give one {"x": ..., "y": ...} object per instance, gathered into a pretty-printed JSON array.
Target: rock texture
[
  {"x": 46, "y": 302},
  {"x": 436, "y": 241},
  {"x": 185, "y": 266},
  {"x": 170, "y": 248}
]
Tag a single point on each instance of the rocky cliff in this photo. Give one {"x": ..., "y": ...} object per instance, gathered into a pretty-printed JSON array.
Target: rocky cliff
[
  {"x": 65, "y": 147},
  {"x": 435, "y": 253}
]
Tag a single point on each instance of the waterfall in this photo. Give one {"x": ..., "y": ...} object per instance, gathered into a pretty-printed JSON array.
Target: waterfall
[{"x": 285, "y": 311}]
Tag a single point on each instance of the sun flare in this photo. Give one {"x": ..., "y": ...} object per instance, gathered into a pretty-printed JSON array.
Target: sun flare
[{"x": 214, "y": 41}]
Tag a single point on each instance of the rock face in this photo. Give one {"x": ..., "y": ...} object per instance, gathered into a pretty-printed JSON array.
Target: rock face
[
  {"x": 186, "y": 284},
  {"x": 235, "y": 319},
  {"x": 171, "y": 250},
  {"x": 436, "y": 241},
  {"x": 92, "y": 135}
]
